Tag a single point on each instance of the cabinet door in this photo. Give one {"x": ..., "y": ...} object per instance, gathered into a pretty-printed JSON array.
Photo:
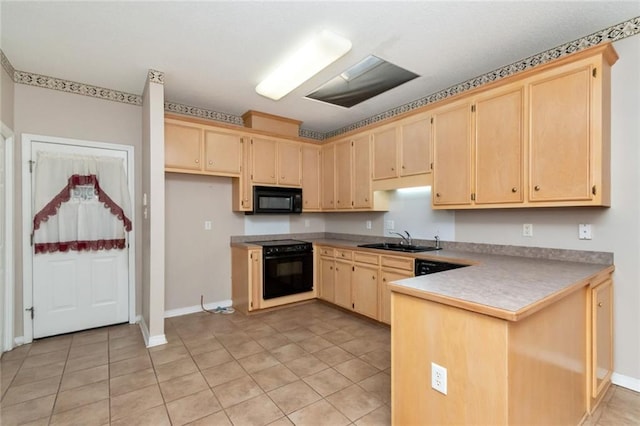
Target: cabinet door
[
  {"x": 342, "y": 295},
  {"x": 263, "y": 161},
  {"x": 602, "y": 338},
  {"x": 328, "y": 176},
  {"x": 362, "y": 193},
  {"x": 223, "y": 153},
  {"x": 364, "y": 284},
  {"x": 499, "y": 147},
  {"x": 182, "y": 147},
  {"x": 560, "y": 116},
  {"x": 416, "y": 147},
  {"x": 387, "y": 277},
  {"x": 311, "y": 177},
  {"x": 343, "y": 175},
  {"x": 255, "y": 279},
  {"x": 327, "y": 279},
  {"x": 289, "y": 164},
  {"x": 452, "y": 155},
  {"x": 385, "y": 154}
]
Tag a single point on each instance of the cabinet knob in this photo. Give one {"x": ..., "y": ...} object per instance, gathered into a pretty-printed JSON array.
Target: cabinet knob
[
  {"x": 384, "y": 279},
  {"x": 197, "y": 161},
  {"x": 438, "y": 194},
  {"x": 210, "y": 162},
  {"x": 537, "y": 187},
  {"x": 282, "y": 177},
  {"x": 599, "y": 304},
  {"x": 403, "y": 167},
  {"x": 393, "y": 169},
  {"x": 373, "y": 277},
  {"x": 331, "y": 268},
  {"x": 514, "y": 189},
  {"x": 366, "y": 199}
]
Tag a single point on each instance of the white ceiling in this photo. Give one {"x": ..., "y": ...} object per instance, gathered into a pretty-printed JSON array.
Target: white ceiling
[{"x": 214, "y": 53}]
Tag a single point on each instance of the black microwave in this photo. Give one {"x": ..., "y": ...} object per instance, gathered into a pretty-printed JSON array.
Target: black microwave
[{"x": 276, "y": 200}]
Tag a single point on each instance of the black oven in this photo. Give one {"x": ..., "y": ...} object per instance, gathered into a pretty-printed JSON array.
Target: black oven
[{"x": 287, "y": 268}]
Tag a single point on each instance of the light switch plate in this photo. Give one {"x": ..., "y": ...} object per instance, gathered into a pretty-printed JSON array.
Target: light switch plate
[{"x": 390, "y": 225}]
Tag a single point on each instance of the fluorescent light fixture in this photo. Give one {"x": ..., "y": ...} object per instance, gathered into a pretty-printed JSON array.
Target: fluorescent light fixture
[
  {"x": 313, "y": 57},
  {"x": 414, "y": 190}
]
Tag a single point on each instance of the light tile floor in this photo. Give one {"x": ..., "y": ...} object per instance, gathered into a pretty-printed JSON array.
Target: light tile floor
[{"x": 306, "y": 365}]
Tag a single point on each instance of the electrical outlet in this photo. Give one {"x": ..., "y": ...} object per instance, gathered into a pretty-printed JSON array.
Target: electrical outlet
[
  {"x": 527, "y": 230},
  {"x": 368, "y": 224},
  {"x": 207, "y": 225},
  {"x": 439, "y": 378},
  {"x": 389, "y": 225},
  {"x": 584, "y": 231}
]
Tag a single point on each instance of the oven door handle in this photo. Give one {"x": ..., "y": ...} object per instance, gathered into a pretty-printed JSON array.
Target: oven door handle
[{"x": 288, "y": 256}]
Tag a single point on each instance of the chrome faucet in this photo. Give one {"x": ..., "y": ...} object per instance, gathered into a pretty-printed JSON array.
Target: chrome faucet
[
  {"x": 406, "y": 239},
  {"x": 437, "y": 238}
]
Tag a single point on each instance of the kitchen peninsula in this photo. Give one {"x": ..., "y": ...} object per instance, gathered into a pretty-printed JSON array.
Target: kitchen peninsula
[{"x": 523, "y": 339}]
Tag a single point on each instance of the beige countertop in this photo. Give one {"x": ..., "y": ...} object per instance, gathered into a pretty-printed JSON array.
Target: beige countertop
[{"x": 507, "y": 287}]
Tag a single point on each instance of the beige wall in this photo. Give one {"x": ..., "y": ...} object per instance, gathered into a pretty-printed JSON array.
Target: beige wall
[
  {"x": 198, "y": 262},
  {"x": 615, "y": 229},
  {"x": 6, "y": 98},
  {"x": 54, "y": 113}
]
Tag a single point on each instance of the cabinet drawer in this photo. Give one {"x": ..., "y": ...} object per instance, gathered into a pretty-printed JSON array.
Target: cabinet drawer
[
  {"x": 326, "y": 251},
  {"x": 405, "y": 263},
  {"x": 361, "y": 257},
  {"x": 343, "y": 254}
]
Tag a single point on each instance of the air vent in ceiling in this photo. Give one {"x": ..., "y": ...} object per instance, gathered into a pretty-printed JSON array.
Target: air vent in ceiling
[{"x": 364, "y": 80}]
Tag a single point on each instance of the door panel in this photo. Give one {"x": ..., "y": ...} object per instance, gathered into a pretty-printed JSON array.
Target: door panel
[
  {"x": 560, "y": 137},
  {"x": 79, "y": 290}
]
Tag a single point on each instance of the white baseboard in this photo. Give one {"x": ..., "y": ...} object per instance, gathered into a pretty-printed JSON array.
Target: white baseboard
[
  {"x": 197, "y": 308},
  {"x": 18, "y": 341},
  {"x": 150, "y": 341},
  {"x": 626, "y": 382}
]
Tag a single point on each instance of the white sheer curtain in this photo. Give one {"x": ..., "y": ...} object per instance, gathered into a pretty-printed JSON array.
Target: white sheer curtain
[{"x": 81, "y": 203}]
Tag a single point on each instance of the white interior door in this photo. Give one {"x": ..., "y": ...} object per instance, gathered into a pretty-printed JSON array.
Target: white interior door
[{"x": 79, "y": 290}]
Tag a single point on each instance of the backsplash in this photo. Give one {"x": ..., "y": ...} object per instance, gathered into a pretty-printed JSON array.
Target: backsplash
[{"x": 595, "y": 257}]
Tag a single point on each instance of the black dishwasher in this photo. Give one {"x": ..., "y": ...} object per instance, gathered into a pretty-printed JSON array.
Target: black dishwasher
[{"x": 425, "y": 267}]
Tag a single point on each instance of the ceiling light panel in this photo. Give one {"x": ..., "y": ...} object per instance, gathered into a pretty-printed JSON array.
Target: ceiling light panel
[
  {"x": 313, "y": 57},
  {"x": 364, "y": 80}
]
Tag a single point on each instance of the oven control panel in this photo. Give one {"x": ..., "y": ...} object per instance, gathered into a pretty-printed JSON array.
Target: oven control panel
[{"x": 287, "y": 249}]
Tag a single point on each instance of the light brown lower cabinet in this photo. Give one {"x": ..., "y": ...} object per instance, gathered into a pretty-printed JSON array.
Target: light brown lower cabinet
[
  {"x": 600, "y": 342},
  {"x": 364, "y": 290},
  {"x": 327, "y": 279},
  {"x": 343, "y": 283},
  {"x": 535, "y": 370},
  {"x": 246, "y": 282}
]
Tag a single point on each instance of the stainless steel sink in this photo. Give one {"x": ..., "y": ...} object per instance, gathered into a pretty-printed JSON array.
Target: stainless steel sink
[{"x": 399, "y": 247}]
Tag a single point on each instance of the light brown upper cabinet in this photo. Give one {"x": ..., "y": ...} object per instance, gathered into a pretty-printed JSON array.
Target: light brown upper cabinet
[
  {"x": 275, "y": 162},
  {"x": 569, "y": 134},
  {"x": 402, "y": 149},
  {"x": 195, "y": 148},
  {"x": 362, "y": 193},
  {"x": 415, "y": 134},
  {"x": 542, "y": 140},
  {"x": 311, "y": 177},
  {"x": 343, "y": 167},
  {"x": 478, "y": 150},
  {"x": 499, "y": 146},
  {"x": 385, "y": 152},
  {"x": 328, "y": 176},
  {"x": 452, "y": 139},
  {"x": 353, "y": 175}
]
